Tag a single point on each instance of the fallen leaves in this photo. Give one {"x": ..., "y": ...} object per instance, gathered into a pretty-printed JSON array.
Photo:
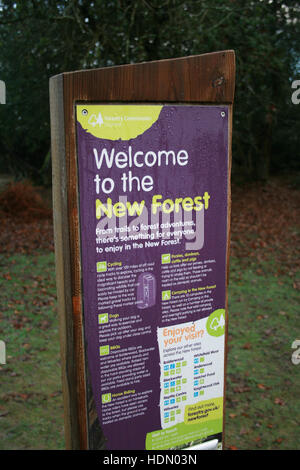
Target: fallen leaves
[
  {"x": 26, "y": 220},
  {"x": 279, "y": 440},
  {"x": 22, "y": 200},
  {"x": 259, "y": 229},
  {"x": 26, "y": 238},
  {"x": 7, "y": 276},
  {"x": 244, "y": 431},
  {"x": 241, "y": 389},
  {"x": 279, "y": 401},
  {"x": 16, "y": 396},
  {"x": 21, "y": 397},
  {"x": 263, "y": 387}
]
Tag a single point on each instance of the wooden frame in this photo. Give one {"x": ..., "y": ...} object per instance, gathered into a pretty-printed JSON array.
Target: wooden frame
[{"x": 202, "y": 79}]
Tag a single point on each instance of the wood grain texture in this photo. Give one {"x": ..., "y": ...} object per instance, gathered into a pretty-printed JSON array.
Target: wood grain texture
[
  {"x": 203, "y": 79},
  {"x": 63, "y": 263},
  {"x": 207, "y": 78}
]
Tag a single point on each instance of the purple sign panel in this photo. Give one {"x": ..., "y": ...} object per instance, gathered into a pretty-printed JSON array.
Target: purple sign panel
[{"x": 153, "y": 225}]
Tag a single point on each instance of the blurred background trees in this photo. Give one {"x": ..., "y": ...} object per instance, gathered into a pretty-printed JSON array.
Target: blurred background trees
[{"x": 41, "y": 38}]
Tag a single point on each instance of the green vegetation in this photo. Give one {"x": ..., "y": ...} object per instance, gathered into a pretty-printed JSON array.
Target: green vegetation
[
  {"x": 31, "y": 410},
  {"x": 263, "y": 408},
  {"x": 41, "y": 39}
]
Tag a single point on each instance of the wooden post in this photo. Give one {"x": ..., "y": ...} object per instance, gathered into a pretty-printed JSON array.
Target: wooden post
[{"x": 206, "y": 80}]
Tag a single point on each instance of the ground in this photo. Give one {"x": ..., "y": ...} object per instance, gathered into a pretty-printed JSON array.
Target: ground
[{"x": 262, "y": 398}]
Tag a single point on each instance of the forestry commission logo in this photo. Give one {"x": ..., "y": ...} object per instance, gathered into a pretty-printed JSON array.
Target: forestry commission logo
[
  {"x": 117, "y": 122},
  {"x": 2, "y": 92},
  {"x": 96, "y": 120},
  {"x": 215, "y": 324}
]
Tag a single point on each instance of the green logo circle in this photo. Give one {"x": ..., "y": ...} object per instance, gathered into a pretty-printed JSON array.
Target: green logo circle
[{"x": 215, "y": 324}]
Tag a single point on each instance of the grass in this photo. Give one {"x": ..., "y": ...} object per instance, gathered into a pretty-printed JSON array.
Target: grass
[
  {"x": 263, "y": 407},
  {"x": 31, "y": 409}
]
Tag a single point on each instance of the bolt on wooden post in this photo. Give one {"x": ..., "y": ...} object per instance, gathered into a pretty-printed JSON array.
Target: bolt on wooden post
[{"x": 141, "y": 158}]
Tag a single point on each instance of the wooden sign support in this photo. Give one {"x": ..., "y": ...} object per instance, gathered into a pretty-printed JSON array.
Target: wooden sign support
[{"x": 143, "y": 316}]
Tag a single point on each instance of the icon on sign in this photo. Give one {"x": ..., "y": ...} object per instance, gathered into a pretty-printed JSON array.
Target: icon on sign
[
  {"x": 215, "y": 324},
  {"x": 103, "y": 318},
  {"x": 166, "y": 295},
  {"x": 96, "y": 120},
  {"x": 104, "y": 350},
  {"x": 166, "y": 258},
  {"x": 106, "y": 398},
  {"x": 101, "y": 267}
]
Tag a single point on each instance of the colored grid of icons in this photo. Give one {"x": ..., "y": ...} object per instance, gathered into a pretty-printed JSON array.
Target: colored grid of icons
[{"x": 172, "y": 385}]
